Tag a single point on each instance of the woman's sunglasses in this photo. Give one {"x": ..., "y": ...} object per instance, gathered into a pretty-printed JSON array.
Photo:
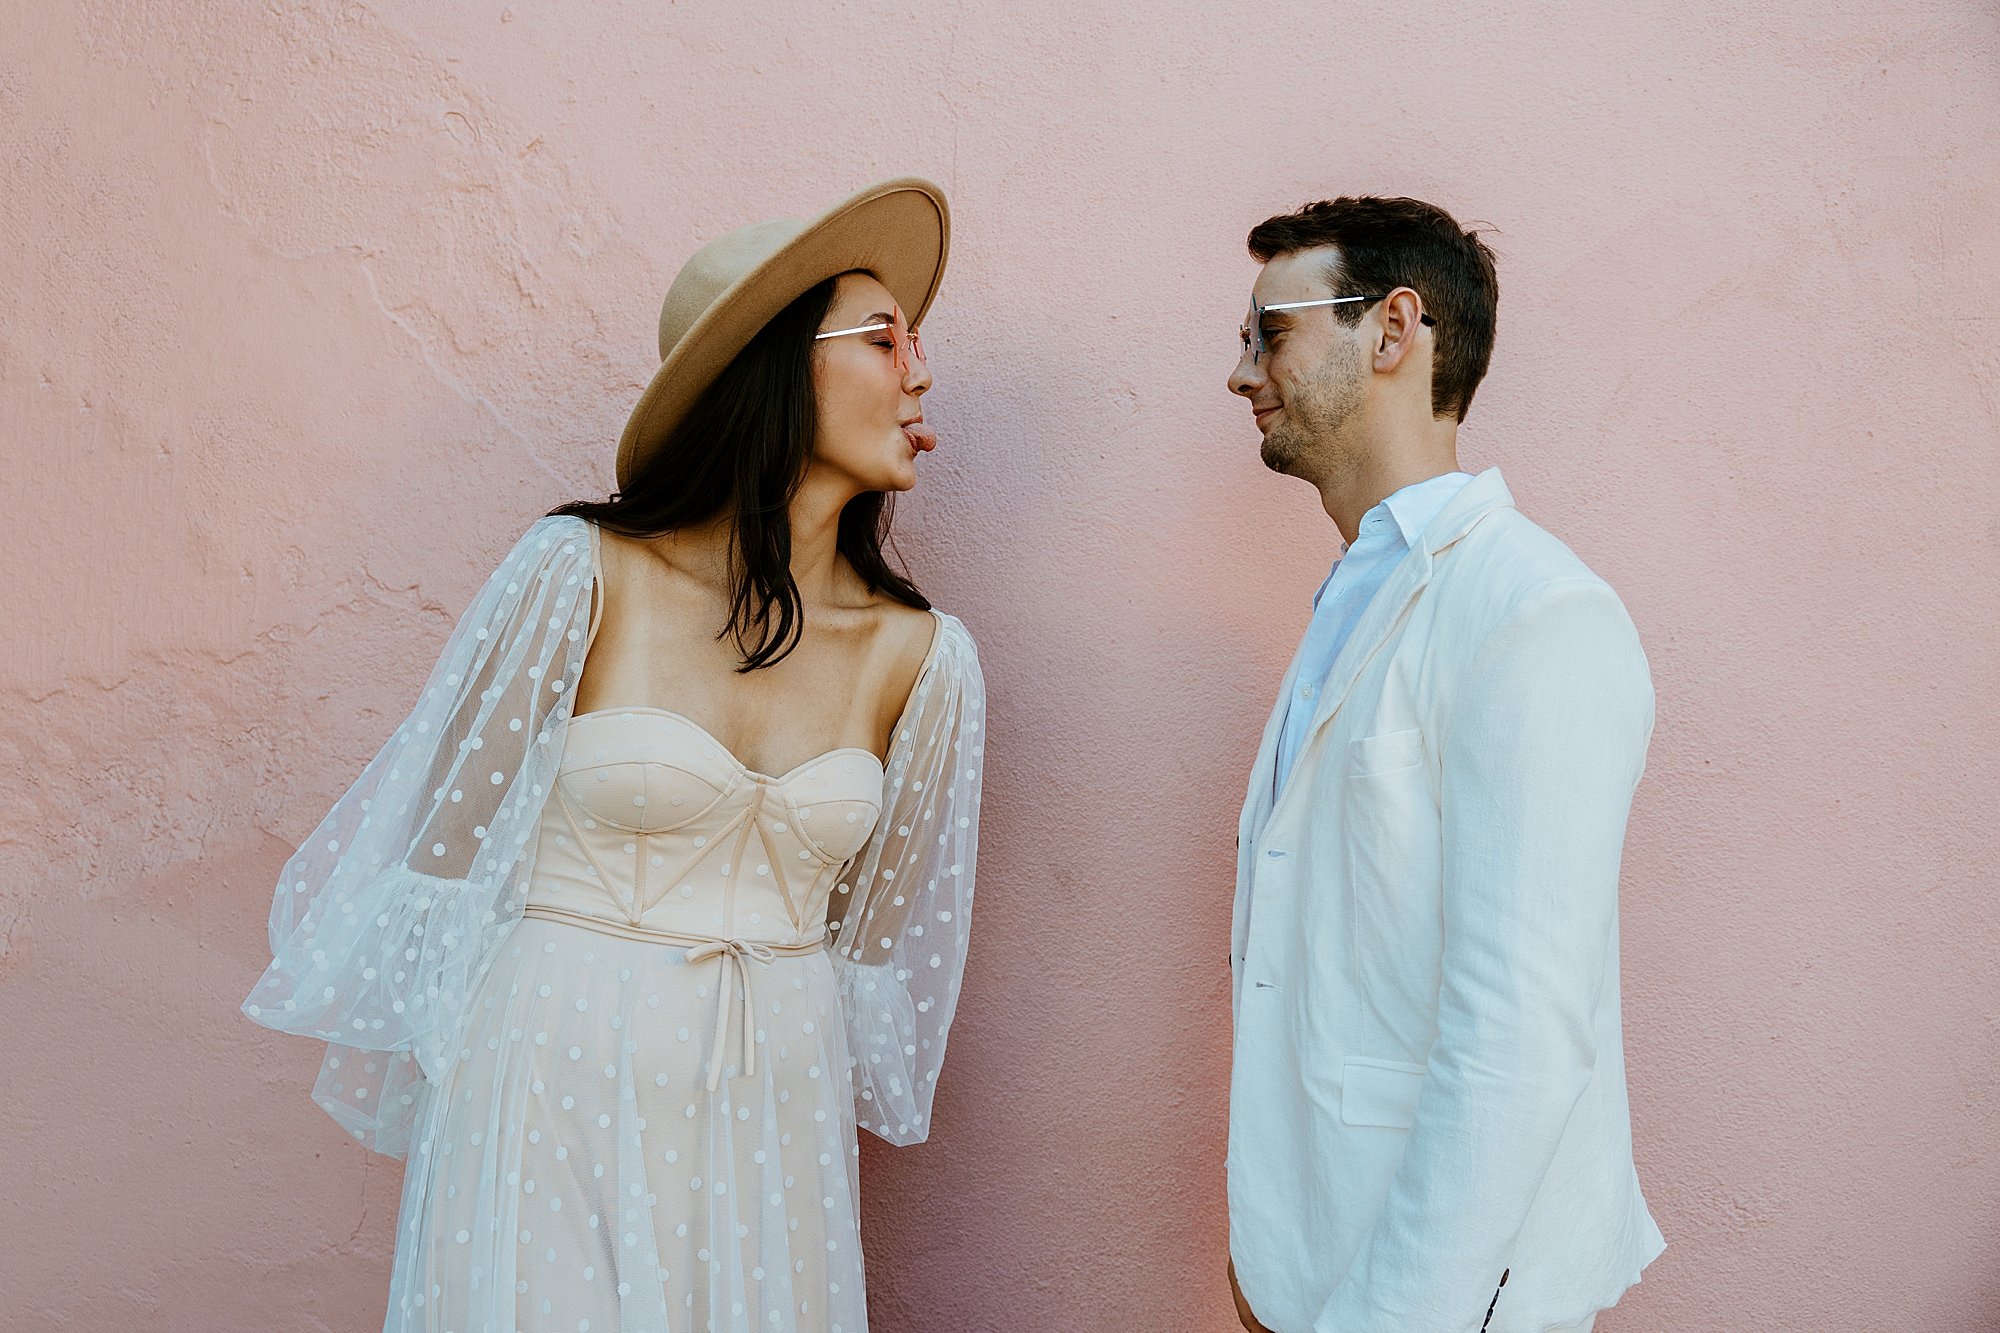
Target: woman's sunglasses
[{"x": 909, "y": 343}]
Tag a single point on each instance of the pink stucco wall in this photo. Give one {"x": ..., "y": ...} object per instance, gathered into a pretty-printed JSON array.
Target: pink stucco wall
[{"x": 305, "y": 309}]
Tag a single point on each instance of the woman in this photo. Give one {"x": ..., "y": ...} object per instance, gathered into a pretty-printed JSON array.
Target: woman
[{"x": 663, "y": 887}]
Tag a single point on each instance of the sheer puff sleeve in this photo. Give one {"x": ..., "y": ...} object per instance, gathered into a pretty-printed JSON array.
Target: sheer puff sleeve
[
  {"x": 905, "y": 902},
  {"x": 385, "y": 920}
]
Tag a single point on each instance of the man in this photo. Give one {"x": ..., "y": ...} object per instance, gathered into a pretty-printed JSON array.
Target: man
[{"x": 1428, "y": 1121}]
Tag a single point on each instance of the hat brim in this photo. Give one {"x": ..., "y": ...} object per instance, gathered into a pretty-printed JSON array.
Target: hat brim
[{"x": 898, "y": 230}]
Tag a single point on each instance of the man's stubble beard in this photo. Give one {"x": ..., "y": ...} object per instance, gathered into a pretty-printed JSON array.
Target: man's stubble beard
[{"x": 1307, "y": 443}]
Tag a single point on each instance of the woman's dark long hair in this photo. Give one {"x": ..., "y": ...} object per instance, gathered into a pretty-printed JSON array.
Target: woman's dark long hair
[{"x": 743, "y": 449}]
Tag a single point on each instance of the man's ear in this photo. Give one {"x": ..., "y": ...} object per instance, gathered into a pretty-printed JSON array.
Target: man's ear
[{"x": 1401, "y": 321}]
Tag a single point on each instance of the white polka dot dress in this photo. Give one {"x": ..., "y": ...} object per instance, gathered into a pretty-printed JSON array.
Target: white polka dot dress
[
  {"x": 650, "y": 1125},
  {"x": 620, "y": 1001}
]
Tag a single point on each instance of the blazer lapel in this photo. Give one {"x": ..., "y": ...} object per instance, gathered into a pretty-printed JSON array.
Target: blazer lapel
[
  {"x": 1258, "y": 800},
  {"x": 1257, "y": 803},
  {"x": 1480, "y": 497}
]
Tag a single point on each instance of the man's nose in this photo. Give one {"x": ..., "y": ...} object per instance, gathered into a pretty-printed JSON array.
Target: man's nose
[{"x": 1247, "y": 378}]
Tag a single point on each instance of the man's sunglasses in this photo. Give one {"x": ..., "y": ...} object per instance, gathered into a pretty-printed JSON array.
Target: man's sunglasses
[{"x": 1253, "y": 332}]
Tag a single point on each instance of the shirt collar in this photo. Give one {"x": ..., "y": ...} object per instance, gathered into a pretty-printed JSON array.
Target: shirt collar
[
  {"x": 1399, "y": 520},
  {"x": 1415, "y": 506}
]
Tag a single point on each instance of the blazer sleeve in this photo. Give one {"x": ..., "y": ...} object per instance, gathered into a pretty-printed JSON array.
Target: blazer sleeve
[
  {"x": 904, "y": 905},
  {"x": 1540, "y": 753},
  {"x": 385, "y": 919}
]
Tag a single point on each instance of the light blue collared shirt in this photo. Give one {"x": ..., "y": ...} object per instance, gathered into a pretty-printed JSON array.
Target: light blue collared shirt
[{"x": 1388, "y": 532}]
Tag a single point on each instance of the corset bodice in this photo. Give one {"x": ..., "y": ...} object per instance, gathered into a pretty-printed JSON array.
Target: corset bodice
[{"x": 655, "y": 825}]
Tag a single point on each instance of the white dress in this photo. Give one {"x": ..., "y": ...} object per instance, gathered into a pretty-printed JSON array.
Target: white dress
[{"x": 626, "y": 1051}]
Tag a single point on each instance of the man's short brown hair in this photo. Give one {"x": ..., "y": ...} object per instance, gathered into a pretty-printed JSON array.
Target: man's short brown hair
[{"x": 1386, "y": 243}]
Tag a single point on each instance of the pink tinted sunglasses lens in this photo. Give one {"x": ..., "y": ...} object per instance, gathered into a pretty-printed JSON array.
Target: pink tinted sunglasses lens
[{"x": 909, "y": 344}]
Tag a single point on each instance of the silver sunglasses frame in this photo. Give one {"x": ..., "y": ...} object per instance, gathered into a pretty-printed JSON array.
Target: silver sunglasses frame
[{"x": 1253, "y": 332}]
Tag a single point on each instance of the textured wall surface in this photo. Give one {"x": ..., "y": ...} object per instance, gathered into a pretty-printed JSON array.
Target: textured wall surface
[{"x": 307, "y": 309}]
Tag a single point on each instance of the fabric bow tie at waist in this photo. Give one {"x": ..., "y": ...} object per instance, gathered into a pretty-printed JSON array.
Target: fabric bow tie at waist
[{"x": 731, "y": 954}]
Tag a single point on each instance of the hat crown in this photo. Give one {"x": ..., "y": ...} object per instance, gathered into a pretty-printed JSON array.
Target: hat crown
[{"x": 714, "y": 269}]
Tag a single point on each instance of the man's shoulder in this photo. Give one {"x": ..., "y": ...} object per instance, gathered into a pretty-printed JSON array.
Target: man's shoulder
[
  {"x": 1508, "y": 553},
  {"x": 1506, "y": 565},
  {"x": 1509, "y": 546}
]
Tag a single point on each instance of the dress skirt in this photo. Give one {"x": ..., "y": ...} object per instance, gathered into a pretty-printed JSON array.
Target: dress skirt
[{"x": 575, "y": 1174}]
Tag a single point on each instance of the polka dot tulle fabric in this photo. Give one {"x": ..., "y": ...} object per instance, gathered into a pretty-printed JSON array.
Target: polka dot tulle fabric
[{"x": 621, "y": 1001}]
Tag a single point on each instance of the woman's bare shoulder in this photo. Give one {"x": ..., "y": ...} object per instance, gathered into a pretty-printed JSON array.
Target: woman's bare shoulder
[
  {"x": 904, "y": 637},
  {"x": 908, "y": 629}
]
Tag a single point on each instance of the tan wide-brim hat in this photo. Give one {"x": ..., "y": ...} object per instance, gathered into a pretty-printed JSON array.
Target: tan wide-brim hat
[{"x": 898, "y": 230}]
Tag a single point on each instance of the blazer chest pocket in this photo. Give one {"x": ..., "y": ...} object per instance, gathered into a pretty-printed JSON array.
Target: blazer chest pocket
[
  {"x": 1379, "y": 1092},
  {"x": 1389, "y": 752},
  {"x": 1389, "y": 819}
]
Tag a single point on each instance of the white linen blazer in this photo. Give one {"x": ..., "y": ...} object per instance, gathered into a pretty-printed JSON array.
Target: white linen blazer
[{"x": 1428, "y": 1086}]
